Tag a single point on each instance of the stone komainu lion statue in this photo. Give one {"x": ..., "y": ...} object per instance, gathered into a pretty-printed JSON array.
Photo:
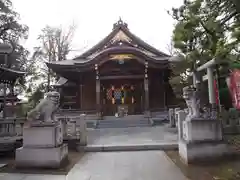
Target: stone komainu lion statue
[
  {"x": 193, "y": 102},
  {"x": 45, "y": 109}
]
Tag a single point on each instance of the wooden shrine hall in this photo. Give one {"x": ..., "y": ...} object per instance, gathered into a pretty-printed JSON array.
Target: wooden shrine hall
[{"x": 121, "y": 72}]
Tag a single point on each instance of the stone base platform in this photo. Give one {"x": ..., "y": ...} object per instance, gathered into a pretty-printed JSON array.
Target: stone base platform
[
  {"x": 203, "y": 151},
  {"x": 41, "y": 157}
]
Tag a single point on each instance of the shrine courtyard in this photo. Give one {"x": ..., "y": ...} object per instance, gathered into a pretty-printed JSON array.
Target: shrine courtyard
[
  {"x": 134, "y": 164},
  {"x": 120, "y": 78},
  {"x": 152, "y": 165}
]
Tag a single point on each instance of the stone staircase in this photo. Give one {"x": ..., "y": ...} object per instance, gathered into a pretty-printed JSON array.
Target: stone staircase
[
  {"x": 160, "y": 117},
  {"x": 124, "y": 122}
]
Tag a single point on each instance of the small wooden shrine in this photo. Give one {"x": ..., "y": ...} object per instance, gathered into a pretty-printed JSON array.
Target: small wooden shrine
[{"x": 8, "y": 78}]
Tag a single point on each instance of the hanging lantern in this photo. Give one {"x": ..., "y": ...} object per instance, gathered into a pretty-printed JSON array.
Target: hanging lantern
[
  {"x": 122, "y": 94},
  {"x": 113, "y": 98},
  {"x": 132, "y": 94}
]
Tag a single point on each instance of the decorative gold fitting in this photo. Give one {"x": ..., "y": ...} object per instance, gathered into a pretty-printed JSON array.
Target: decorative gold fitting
[{"x": 96, "y": 67}]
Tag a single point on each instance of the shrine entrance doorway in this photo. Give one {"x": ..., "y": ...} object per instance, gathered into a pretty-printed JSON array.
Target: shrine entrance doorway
[{"x": 122, "y": 95}]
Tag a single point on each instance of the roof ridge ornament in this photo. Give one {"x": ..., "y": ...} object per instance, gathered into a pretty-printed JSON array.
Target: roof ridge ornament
[{"x": 120, "y": 23}]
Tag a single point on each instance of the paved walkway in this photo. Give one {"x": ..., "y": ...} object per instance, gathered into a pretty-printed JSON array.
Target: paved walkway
[
  {"x": 138, "y": 165},
  {"x": 131, "y": 136}
]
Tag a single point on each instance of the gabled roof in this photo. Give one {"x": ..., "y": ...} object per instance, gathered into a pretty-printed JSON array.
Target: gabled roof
[
  {"x": 121, "y": 34},
  {"x": 119, "y": 41}
]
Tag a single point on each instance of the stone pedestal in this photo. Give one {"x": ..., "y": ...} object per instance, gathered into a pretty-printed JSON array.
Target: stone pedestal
[
  {"x": 42, "y": 146},
  {"x": 181, "y": 117},
  {"x": 82, "y": 125},
  {"x": 201, "y": 141},
  {"x": 176, "y": 110},
  {"x": 171, "y": 118},
  {"x": 202, "y": 130}
]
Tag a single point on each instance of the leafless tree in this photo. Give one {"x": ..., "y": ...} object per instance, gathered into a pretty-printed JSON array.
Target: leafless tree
[{"x": 54, "y": 45}]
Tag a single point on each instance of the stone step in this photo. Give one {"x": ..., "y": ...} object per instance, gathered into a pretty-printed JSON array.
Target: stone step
[
  {"x": 6, "y": 147},
  {"x": 162, "y": 115},
  {"x": 159, "y": 121},
  {"x": 130, "y": 147},
  {"x": 91, "y": 117},
  {"x": 129, "y": 117},
  {"x": 123, "y": 123},
  {"x": 91, "y": 124},
  {"x": 121, "y": 126}
]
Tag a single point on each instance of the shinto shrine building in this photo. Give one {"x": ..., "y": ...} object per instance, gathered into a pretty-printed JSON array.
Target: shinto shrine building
[{"x": 120, "y": 72}]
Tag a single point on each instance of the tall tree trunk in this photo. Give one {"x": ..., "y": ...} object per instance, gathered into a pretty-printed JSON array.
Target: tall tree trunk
[
  {"x": 48, "y": 81},
  {"x": 49, "y": 72}
]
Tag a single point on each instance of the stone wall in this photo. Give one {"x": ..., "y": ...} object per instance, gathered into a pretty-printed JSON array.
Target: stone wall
[{"x": 230, "y": 119}]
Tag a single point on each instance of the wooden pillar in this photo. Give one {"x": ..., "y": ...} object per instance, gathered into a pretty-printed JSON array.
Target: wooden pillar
[
  {"x": 98, "y": 96},
  {"x": 81, "y": 96},
  {"x": 146, "y": 90},
  {"x": 164, "y": 91}
]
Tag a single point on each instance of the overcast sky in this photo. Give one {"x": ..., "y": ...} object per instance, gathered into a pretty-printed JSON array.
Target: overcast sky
[{"x": 148, "y": 19}]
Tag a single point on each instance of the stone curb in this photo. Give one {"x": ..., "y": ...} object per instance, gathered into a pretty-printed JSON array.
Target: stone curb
[
  {"x": 135, "y": 147},
  {"x": 171, "y": 161}
]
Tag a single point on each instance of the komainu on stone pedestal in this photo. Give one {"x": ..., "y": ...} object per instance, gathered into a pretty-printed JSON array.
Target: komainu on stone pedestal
[
  {"x": 43, "y": 138},
  {"x": 193, "y": 102},
  {"x": 201, "y": 135},
  {"x": 46, "y": 108}
]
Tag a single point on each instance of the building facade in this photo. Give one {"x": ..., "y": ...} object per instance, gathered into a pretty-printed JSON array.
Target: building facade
[{"x": 121, "y": 72}]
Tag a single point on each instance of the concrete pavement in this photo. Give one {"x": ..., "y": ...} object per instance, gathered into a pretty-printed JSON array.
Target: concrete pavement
[{"x": 138, "y": 165}]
